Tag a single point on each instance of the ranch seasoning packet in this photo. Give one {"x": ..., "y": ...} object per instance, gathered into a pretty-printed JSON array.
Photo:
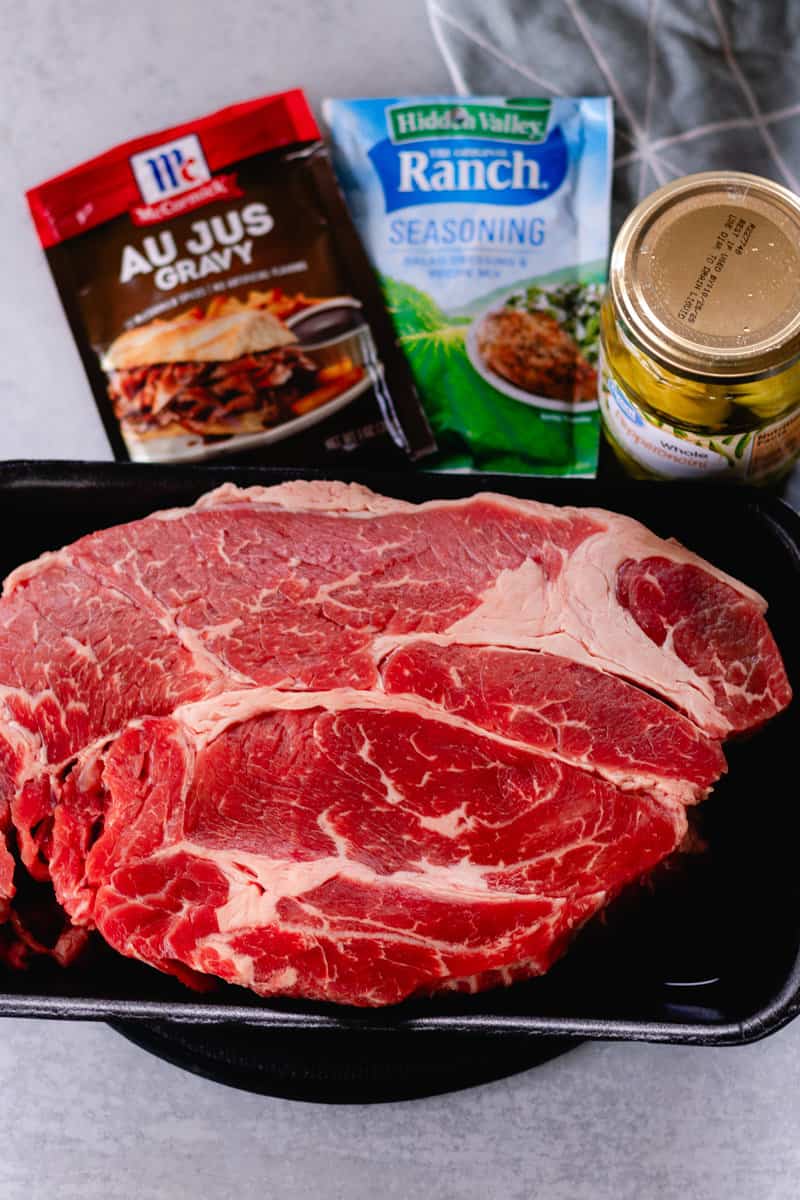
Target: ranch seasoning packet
[{"x": 487, "y": 220}]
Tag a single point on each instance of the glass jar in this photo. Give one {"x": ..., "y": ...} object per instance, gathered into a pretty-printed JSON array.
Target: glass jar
[{"x": 700, "y": 332}]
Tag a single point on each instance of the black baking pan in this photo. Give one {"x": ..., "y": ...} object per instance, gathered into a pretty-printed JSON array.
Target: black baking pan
[
  {"x": 707, "y": 951},
  {"x": 331, "y": 1067}
]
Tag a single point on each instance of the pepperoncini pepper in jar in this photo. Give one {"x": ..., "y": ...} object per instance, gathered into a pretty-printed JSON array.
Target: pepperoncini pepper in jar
[{"x": 701, "y": 332}]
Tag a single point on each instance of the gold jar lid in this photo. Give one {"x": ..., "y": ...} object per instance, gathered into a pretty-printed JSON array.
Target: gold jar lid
[{"x": 705, "y": 276}]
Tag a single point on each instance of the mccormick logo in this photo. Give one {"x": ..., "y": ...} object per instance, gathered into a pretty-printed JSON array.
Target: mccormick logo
[
  {"x": 170, "y": 169},
  {"x": 504, "y": 122},
  {"x": 174, "y": 178}
]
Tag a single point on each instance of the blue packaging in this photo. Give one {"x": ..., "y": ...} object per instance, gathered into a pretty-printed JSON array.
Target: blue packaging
[{"x": 487, "y": 220}]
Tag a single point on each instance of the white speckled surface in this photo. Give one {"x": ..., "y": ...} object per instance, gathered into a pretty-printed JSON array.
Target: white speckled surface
[{"x": 86, "y": 1115}]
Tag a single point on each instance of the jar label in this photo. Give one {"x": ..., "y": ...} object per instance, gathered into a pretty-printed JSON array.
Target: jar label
[{"x": 673, "y": 453}]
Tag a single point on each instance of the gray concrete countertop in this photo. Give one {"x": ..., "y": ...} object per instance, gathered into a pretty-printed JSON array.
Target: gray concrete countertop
[{"x": 87, "y": 1115}]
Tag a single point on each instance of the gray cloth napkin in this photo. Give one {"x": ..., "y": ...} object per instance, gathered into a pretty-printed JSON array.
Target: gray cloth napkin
[{"x": 697, "y": 84}]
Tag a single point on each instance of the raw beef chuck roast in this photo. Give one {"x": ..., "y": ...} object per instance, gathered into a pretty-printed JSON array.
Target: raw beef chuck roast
[{"x": 323, "y": 743}]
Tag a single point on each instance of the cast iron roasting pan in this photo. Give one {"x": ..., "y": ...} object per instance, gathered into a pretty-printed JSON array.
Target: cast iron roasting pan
[{"x": 706, "y": 952}]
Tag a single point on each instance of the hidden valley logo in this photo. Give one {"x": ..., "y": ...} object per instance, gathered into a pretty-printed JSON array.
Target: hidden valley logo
[{"x": 478, "y": 153}]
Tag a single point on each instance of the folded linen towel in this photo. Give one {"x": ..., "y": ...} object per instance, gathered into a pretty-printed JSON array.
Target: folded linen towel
[{"x": 697, "y": 84}]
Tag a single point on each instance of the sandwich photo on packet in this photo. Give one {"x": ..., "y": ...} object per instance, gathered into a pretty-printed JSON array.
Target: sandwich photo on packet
[
  {"x": 233, "y": 368},
  {"x": 221, "y": 299}
]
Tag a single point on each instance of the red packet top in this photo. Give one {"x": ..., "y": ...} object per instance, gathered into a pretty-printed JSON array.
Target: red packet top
[{"x": 221, "y": 300}]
